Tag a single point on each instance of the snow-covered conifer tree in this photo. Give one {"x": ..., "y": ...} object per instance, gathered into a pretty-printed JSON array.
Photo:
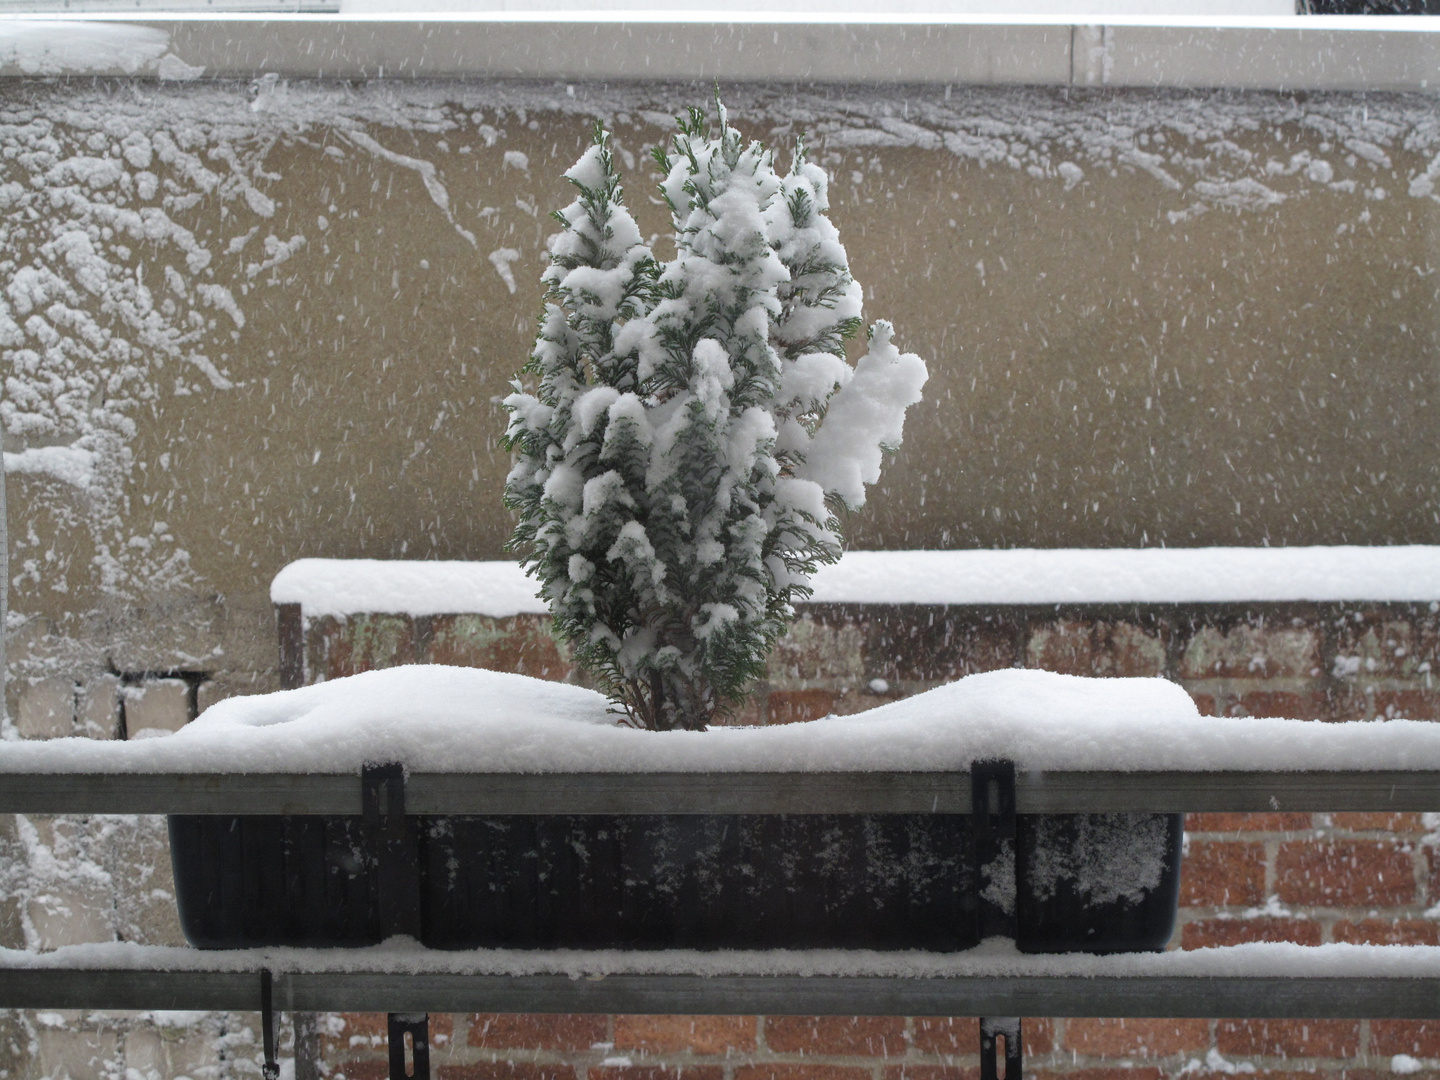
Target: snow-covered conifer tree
[
  {"x": 577, "y": 475},
  {"x": 696, "y": 426}
]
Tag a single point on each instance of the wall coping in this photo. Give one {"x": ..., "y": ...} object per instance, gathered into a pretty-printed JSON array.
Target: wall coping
[
  {"x": 344, "y": 587},
  {"x": 1294, "y": 53}
]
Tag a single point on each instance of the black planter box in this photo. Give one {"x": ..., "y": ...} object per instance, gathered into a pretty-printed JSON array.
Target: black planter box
[{"x": 1092, "y": 883}]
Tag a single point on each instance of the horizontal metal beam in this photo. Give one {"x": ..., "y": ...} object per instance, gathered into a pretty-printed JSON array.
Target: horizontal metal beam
[
  {"x": 719, "y": 793},
  {"x": 179, "y": 793},
  {"x": 1241, "y": 792},
  {"x": 380, "y": 991}
]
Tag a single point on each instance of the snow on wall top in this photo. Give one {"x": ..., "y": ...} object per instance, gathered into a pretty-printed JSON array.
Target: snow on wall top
[
  {"x": 341, "y": 587},
  {"x": 445, "y": 719}
]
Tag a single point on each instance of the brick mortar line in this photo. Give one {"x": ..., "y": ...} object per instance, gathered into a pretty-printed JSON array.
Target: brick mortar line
[
  {"x": 1305, "y": 911},
  {"x": 1416, "y": 840}
]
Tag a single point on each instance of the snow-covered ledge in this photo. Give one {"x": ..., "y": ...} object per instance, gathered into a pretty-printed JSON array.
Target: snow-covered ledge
[
  {"x": 858, "y": 43},
  {"x": 342, "y": 587}
]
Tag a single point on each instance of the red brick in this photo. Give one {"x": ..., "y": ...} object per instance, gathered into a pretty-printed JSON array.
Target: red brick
[
  {"x": 1395, "y": 823},
  {"x": 1038, "y": 1035},
  {"x": 536, "y": 1031},
  {"x": 521, "y": 644},
  {"x": 1387, "y": 932},
  {"x": 1125, "y": 1073},
  {"x": 937, "y": 647},
  {"x": 506, "y": 1070},
  {"x": 1344, "y": 872},
  {"x": 677, "y": 1034},
  {"x": 823, "y": 643},
  {"x": 1223, "y": 872},
  {"x": 1091, "y": 647},
  {"x": 930, "y": 1072},
  {"x": 656, "y": 1072},
  {"x": 1388, "y": 648},
  {"x": 1418, "y": 1038},
  {"x": 1247, "y": 822},
  {"x": 1289, "y": 1038},
  {"x": 1291, "y": 704},
  {"x": 1209, "y": 933},
  {"x": 750, "y": 712},
  {"x": 364, "y": 1070},
  {"x": 961, "y": 1035},
  {"x": 371, "y": 1030},
  {"x": 873, "y": 1036},
  {"x": 801, "y": 1072},
  {"x": 1252, "y": 651},
  {"x": 361, "y": 643},
  {"x": 1406, "y": 704},
  {"x": 795, "y": 706},
  {"x": 1136, "y": 1038},
  {"x": 1206, "y": 703},
  {"x": 946, "y": 1034}
]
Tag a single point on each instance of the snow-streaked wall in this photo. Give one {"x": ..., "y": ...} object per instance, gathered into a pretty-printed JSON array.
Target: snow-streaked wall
[{"x": 245, "y": 323}]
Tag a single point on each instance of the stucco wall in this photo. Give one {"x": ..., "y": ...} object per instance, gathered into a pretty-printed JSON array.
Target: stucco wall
[{"x": 1170, "y": 317}]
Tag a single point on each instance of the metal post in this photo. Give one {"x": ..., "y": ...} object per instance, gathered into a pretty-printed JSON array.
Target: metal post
[
  {"x": 390, "y": 835},
  {"x": 271, "y": 1069},
  {"x": 994, "y": 1029},
  {"x": 992, "y": 799},
  {"x": 417, "y": 1026},
  {"x": 290, "y": 627}
]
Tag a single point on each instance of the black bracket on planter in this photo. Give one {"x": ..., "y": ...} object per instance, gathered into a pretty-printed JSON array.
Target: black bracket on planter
[
  {"x": 391, "y": 839},
  {"x": 271, "y": 1069},
  {"x": 992, "y": 1030},
  {"x": 992, "y": 810},
  {"x": 417, "y": 1026},
  {"x": 992, "y": 799}
]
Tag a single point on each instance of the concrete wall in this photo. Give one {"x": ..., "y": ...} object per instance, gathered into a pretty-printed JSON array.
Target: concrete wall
[{"x": 1150, "y": 317}]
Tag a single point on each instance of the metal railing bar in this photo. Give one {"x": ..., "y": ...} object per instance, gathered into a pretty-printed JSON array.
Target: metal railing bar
[
  {"x": 710, "y": 793},
  {"x": 1069, "y": 995}
]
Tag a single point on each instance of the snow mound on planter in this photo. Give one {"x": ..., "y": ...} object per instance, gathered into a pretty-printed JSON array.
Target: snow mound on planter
[{"x": 446, "y": 719}]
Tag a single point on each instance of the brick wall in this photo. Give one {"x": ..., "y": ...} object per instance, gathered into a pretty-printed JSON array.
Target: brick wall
[
  {"x": 1309, "y": 878},
  {"x": 1325, "y": 661}
]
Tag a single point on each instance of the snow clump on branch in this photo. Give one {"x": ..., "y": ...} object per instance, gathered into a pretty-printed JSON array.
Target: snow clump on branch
[{"x": 694, "y": 426}]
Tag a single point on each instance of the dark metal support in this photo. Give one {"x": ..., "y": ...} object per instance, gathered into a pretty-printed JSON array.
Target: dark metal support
[
  {"x": 391, "y": 836},
  {"x": 417, "y": 1026},
  {"x": 992, "y": 805},
  {"x": 992, "y": 797},
  {"x": 993, "y": 1030},
  {"x": 271, "y": 1069},
  {"x": 290, "y": 624}
]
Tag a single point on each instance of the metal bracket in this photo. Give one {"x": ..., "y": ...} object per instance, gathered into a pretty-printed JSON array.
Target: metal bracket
[
  {"x": 992, "y": 813},
  {"x": 992, "y": 799},
  {"x": 417, "y": 1026},
  {"x": 391, "y": 837},
  {"x": 992, "y": 1030},
  {"x": 271, "y": 1069}
]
